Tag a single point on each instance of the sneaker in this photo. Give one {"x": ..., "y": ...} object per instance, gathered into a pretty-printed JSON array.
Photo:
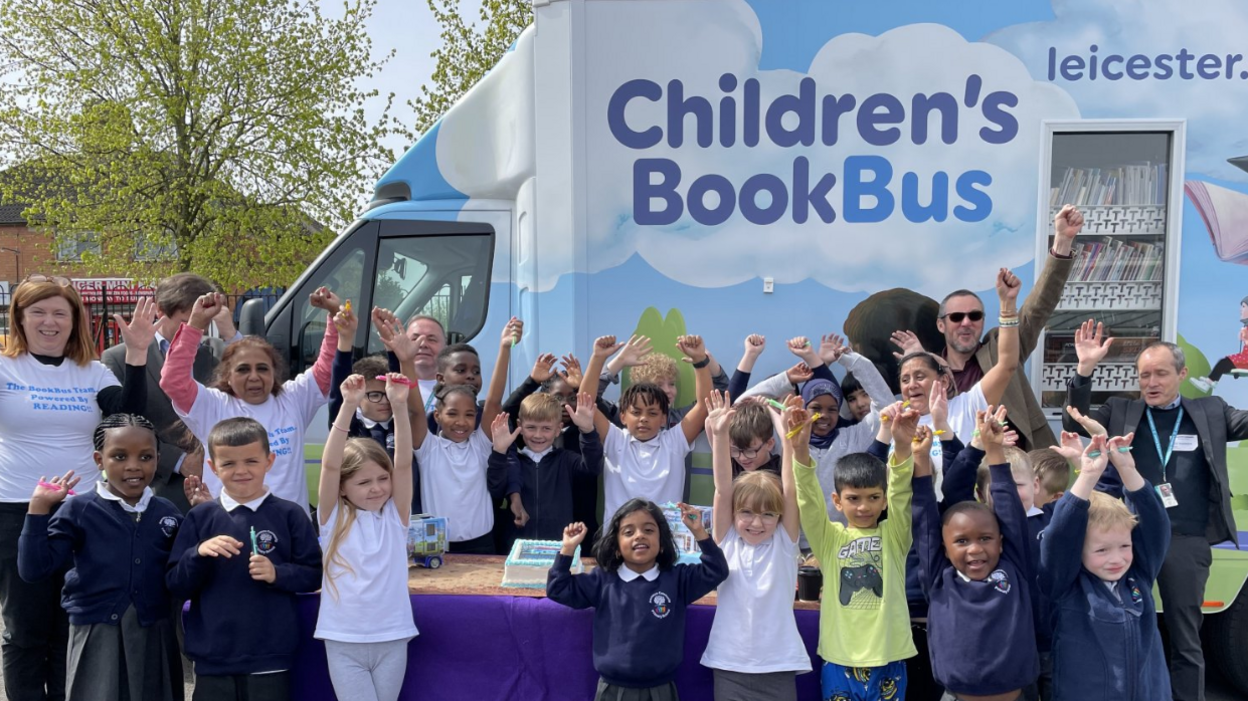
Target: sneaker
[{"x": 1204, "y": 384}]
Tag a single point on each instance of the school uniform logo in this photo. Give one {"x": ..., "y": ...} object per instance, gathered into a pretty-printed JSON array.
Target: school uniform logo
[
  {"x": 266, "y": 541},
  {"x": 1136, "y": 594},
  {"x": 168, "y": 526},
  {"x": 660, "y": 604},
  {"x": 1000, "y": 581}
]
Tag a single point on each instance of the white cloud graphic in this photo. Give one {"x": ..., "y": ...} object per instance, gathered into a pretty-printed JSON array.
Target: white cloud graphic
[
  {"x": 699, "y": 42},
  {"x": 1213, "y": 107}
]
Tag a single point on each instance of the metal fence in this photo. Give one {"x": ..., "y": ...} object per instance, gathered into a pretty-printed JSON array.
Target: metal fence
[{"x": 104, "y": 298}]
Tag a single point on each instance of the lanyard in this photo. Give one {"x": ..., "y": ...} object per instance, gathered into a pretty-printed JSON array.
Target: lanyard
[{"x": 1165, "y": 457}]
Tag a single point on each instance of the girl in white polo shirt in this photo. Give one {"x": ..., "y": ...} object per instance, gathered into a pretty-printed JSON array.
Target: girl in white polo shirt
[
  {"x": 754, "y": 649},
  {"x": 363, "y": 514}
]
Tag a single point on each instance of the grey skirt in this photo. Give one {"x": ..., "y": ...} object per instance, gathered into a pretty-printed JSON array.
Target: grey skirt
[
  {"x": 124, "y": 662},
  {"x": 610, "y": 692},
  {"x": 743, "y": 686}
]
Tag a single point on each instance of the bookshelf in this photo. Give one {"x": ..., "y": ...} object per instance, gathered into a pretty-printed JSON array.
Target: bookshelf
[{"x": 1125, "y": 176}]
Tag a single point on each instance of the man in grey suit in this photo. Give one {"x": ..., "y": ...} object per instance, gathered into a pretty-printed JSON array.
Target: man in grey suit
[
  {"x": 1179, "y": 447},
  {"x": 175, "y": 296}
]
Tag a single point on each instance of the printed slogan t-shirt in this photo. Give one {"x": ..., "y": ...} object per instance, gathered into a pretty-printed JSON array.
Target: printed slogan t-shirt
[
  {"x": 49, "y": 413},
  {"x": 864, "y": 620}
]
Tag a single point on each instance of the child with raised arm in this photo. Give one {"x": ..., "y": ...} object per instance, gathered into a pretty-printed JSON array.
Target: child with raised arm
[
  {"x": 363, "y": 514},
  {"x": 864, "y": 623},
  {"x": 645, "y": 458},
  {"x": 1098, "y": 563},
  {"x": 754, "y": 648},
  {"x": 117, "y": 537},
  {"x": 976, "y": 569},
  {"x": 250, "y": 381},
  {"x": 546, "y": 471},
  {"x": 639, "y": 596},
  {"x": 241, "y": 559},
  {"x": 454, "y": 460}
]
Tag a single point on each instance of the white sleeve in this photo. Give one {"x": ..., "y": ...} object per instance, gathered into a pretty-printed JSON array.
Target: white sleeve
[
  {"x": 869, "y": 377},
  {"x": 481, "y": 448},
  {"x": 211, "y": 407},
  {"x": 428, "y": 448},
  {"x": 613, "y": 444},
  {"x": 777, "y": 385},
  {"x": 306, "y": 394},
  {"x": 103, "y": 376}
]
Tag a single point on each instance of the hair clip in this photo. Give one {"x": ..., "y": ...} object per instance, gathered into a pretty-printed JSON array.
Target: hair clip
[
  {"x": 397, "y": 380},
  {"x": 56, "y": 487}
]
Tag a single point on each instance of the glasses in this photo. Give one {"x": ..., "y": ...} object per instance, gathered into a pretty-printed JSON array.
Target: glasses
[
  {"x": 375, "y": 397},
  {"x": 58, "y": 279},
  {"x": 957, "y": 317},
  {"x": 767, "y": 516},
  {"x": 744, "y": 453}
]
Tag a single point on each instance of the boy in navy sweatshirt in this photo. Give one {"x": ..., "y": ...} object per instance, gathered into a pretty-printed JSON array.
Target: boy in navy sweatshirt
[
  {"x": 1102, "y": 592},
  {"x": 240, "y": 560},
  {"x": 544, "y": 471},
  {"x": 976, "y": 570}
]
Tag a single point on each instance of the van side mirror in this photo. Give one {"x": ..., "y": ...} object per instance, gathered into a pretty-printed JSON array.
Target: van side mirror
[{"x": 251, "y": 318}]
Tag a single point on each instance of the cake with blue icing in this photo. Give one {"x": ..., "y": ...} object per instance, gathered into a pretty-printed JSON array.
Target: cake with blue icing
[{"x": 530, "y": 561}]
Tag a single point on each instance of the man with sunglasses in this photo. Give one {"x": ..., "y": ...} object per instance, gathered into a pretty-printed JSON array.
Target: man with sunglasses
[{"x": 969, "y": 352}]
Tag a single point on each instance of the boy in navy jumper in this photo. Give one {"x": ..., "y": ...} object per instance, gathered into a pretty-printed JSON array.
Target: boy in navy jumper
[
  {"x": 976, "y": 570},
  {"x": 240, "y": 560},
  {"x": 545, "y": 471},
  {"x": 1105, "y": 643}
]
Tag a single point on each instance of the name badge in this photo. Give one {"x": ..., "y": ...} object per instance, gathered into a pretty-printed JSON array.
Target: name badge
[
  {"x": 1185, "y": 443},
  {"x": 1166, "y": 492}
]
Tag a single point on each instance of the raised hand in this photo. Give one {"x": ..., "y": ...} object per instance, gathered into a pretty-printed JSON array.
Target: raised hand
[
  {"x": 50, "y": 492},
  {"x": 195, "y": 491},
  {"x": 501, "y": 433},
  {"x": 141, "y": 329},
  {"x": 1067, "y": 223},
  {"x": 394, "y": 337},
  {"x": 693, "y": 348},
  {"x": 220, "y": 546},
  {"x": 904, "y": 425},
  {"x": 571, "y": 372},
  {"x": 938, "y": 406},
  {"x": 633, "y": 351},
  {"x": 606, "y": 346},
  {"x": 573, "y": 534},
  {"x": 324, "y": 298},
  {"x": 754, "y": 345},
  {"x": 831, "y": 348},
  {"x": 1118, "y": 449},
  {"x": 1094, "y": 460},
  {"x": 346, "y": 322},
  {"x": 1070, "y": 448},
  {"x": 991, "y": 431},
  {"x": 797, "y": 420},
  {"x": 799, "y": 374},
  {"x": 583, "y": 415},
  {"x": 800, "y": 346},
  {"x": 397, "y": 388},
  {"x": 1091, "y": 345},
  {"x": 887, "y": 414},
  {"x": 512, "y": 332},
  {"x": 922, "y": 442},
  {"x": 1008, "y": 286},
  {"x": 353, "y": 391},
  {"x": 1089, "y": 424},
  {"x": 204, "y": 309},
  {"x": 543, "y": 367},
  {"x": 721, "y": 412},
  {"x": 907, "y": 341},
  {"x": 691, "y": 516}
]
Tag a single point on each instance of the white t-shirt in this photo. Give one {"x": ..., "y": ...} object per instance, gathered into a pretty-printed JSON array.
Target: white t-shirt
[
  {"x": 962, "y": 410},
  {"x": 285, "y": 417},
  {"x": 452, "y": 484},
  {"x": 754, "y": 629},
  {"x": 653, "y": 469},
  {"x": 372, "y": 603},
  {"x": 48, "y": 414}
]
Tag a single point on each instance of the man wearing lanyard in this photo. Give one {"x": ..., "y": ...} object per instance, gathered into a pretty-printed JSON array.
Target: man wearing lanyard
[{"x": 1180, "y": 448}]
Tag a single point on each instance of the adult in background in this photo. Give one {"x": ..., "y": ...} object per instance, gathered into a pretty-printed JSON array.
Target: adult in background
[
  {"x": 175, "y": 295},
  {"x": 1179, "y": 446},
  {"x": 434, "y": 333},
  {"x": 53, "y": 392},
  {"x": 970, "y": 353}
]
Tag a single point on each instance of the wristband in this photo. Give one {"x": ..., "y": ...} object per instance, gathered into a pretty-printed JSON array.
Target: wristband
[
  {"x": 702, "y": 363},
  {"x": 1059, "y": 256},
  {"x": 339, "y": 428}
]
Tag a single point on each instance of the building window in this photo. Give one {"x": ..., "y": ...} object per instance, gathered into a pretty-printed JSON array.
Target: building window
[
  {"x": 71, "y": 247},
  {"x": 155, "y": 248}
]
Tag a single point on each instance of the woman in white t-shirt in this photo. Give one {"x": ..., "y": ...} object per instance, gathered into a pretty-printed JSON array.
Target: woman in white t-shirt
[
  {"x": 249, "y": 382},
  {"x": 53, "y": 393},
  {"x": 363, "y": 514},
  {"x": 754, "y": 649}
]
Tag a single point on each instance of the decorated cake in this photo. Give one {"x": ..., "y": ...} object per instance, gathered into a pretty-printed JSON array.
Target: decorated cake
[{"x": 530, "y": 561}]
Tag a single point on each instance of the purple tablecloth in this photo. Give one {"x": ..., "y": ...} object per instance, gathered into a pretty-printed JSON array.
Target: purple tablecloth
[{"x": 479, "y": 648}]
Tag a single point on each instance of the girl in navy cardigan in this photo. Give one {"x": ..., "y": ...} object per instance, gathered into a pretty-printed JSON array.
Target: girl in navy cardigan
[
  {"x": 639, "y": 596},
  {"x": 118, "y": 537}
]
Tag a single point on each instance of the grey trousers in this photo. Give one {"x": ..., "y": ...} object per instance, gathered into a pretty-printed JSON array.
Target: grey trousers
[
  {"x": 742, "y": 686},
  {"x": 367, "y": 671},
  {"x": 1182, "y": 588}
]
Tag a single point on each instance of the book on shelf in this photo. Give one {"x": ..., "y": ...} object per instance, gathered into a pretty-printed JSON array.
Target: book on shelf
[
  {"x": 1226, "y": 217},
  {"x": 1136, "y": 184},
  {"x": 1117, "y": 260}
]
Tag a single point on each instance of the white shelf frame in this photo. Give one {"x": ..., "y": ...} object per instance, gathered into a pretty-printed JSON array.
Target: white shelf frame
[{"x": 1174, "y": 215}]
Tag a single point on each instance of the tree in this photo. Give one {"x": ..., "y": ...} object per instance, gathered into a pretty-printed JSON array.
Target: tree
[
  {"x": 467, "y": 52},
  {"x": 228, "y": 133}
]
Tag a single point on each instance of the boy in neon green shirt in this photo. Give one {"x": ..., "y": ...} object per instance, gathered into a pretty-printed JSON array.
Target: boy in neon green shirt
[{"x": 864, "y": 621}]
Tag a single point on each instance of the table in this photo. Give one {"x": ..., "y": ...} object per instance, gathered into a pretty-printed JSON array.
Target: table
[{"x": 512, "y": 644}]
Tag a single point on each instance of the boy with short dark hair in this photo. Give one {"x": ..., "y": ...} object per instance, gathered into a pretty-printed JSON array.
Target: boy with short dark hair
[
  {"x": 752, "y": 435},
  {"x": 243, "y": 627},
  {"x": 976, "y": 569},
  {"x": 1098, "y": 565},
  {"x": 545, "y": 470}
]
